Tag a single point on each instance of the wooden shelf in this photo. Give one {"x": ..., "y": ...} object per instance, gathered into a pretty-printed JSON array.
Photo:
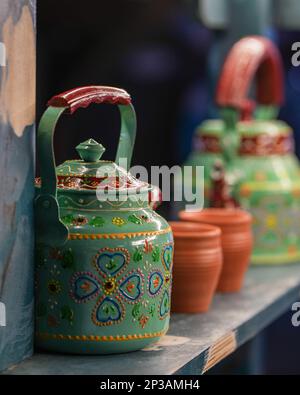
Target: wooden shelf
[{"x": 195, "y": 343}]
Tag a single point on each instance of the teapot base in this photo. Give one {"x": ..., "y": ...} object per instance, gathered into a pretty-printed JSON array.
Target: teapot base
[{"x": 97, "y": 347}]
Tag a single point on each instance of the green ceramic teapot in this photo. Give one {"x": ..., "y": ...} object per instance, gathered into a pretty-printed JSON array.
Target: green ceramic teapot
[
  {"x": 103, "y": 256},
  {"x": 256, "y": 149}
]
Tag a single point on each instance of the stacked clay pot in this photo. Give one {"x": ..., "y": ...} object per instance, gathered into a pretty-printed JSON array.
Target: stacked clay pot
[
  {"x": 197, "y": 266},
  {"x": 237, "y": 242}
]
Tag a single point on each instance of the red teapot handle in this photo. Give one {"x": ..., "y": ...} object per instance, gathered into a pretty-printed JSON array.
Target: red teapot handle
[
  {"x": 48, "y": 220},
  {"x": 69, "y": 102},
  {"x": 86, "y": 95},
  {"x": 251, "y": 57}
]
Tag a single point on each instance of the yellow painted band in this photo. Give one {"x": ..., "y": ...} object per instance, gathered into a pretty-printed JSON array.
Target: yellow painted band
[
  {"x": 279, "y": 259},
  {"x": 94, "y": 236},
  {"x": 269, "y": 186},
  {"x": 264, "y": 186},
  {"x": 95, "y": 338}
]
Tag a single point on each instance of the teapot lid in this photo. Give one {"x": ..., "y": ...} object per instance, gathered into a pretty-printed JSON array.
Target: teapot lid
[{"x": 90, "y": 173}]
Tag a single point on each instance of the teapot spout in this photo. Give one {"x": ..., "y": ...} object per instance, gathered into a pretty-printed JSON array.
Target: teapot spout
[{"x": 155, "y": 197}]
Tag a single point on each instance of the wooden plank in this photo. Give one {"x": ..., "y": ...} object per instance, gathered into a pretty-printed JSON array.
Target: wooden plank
[
  {"x": 223, "y": 347},
  {"x": 194, "y": 343},
  {"x": 17, "y": 113}
]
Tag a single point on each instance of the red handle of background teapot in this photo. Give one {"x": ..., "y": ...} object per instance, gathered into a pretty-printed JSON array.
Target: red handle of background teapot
[
  {"x": 251, "y": 57},
  {"x": 86, "y": 95}
]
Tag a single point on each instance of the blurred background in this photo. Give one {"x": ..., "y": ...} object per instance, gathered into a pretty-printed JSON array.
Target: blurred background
[{"x": 167, "y": 54}]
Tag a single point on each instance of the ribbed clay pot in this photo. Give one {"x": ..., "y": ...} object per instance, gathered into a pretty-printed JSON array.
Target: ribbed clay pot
[
  {"x": 197, "y": 266},
  {"x": 237, "y": 242}
]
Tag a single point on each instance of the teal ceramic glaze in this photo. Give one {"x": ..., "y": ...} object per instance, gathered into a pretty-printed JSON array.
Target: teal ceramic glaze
[
  {"x": 257, "y": 150},
  {"x": 103, "y": 256}
]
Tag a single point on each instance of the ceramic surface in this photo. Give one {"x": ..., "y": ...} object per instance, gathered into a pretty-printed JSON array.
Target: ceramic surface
[
  {"x": 236, "y": 240},
  {"x": 103, "y": 256},
  {"x": 197, "y": 266},
  {"x": 256, "y": 150}
]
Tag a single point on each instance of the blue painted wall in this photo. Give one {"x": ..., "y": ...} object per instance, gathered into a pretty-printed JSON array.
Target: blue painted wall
[{"x": 17, "y": 108}]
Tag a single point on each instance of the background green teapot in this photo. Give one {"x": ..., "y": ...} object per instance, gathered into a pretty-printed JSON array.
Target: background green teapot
[
  {"x": 256, "y": 149},
  {"x": 103, "y": 256}
]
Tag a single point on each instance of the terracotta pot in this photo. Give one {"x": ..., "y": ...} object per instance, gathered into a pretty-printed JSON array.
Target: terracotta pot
[
  {"x": 197, "y": 266},
  {"x": 237, "y": 242}
]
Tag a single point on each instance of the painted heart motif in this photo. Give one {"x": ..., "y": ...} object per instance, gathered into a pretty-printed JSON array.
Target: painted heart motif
[
  {"x": 164, "y": 307},
  {"x": 168, "y": 256},
  {"x": 108, "y": 311},
  {"x": 110, "y": 263},
  {"x": 156, "y": 281},
  {"x": 84, "y": 287},
  {"x": 130, "y": 288}
]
